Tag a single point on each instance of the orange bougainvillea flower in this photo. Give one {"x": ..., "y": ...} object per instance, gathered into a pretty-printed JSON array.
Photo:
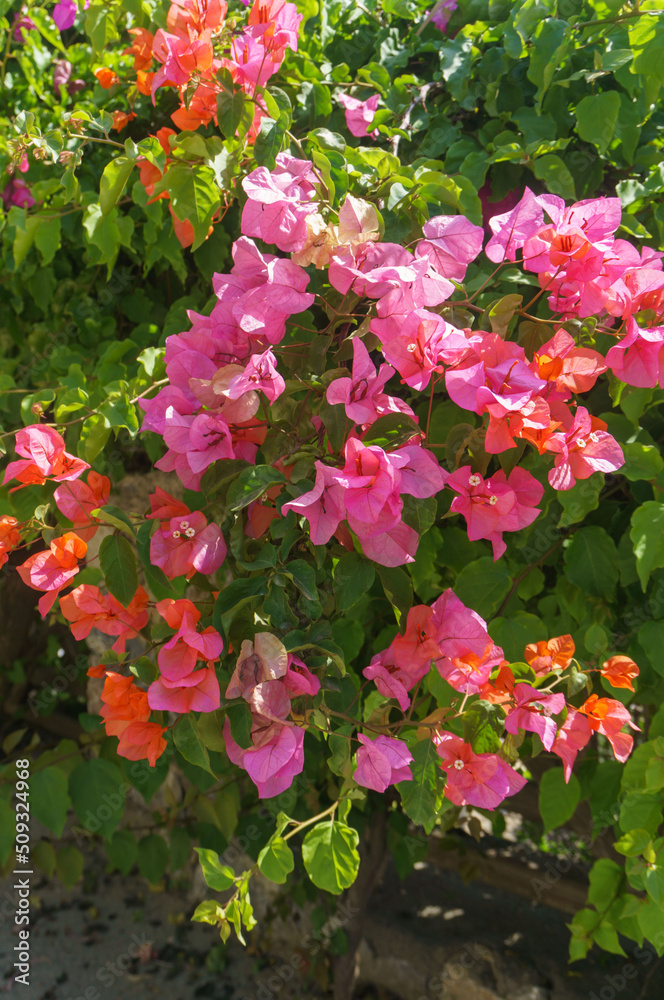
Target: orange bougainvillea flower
[
  {"x": 620, "y": 671},
  {"x": 141, "y": 741},
  {"x": 608, "y": 716},
  {"x": 121, "y": 119},
  {"x": 10, "y": 536},
  {"x": 543, "y": 657},
  {"x": 126, "y": 714},
  {"x": 500, "y": 690},
  {"x": 144, "y": 82},
  {"x": 141, "y": 48},
  {"x": 106, "y": 77}
]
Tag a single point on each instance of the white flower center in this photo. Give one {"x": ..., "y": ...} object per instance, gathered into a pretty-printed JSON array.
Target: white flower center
[
  {"x": 411, "y": 348},
  {"x": 493, "y": 500},
  {"x": 580, "y": 442},
  {"x": 184, "y": 525},
  {"x": 176, "y": 534},
  {"x": 594, "y": 438},
  {"x": 459, "y": 765},
  {"x": 474, "y": 480},
  {"x": 190, "y": 532}
]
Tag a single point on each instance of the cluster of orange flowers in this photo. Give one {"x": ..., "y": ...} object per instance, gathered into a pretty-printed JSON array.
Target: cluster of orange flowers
[{"x": 126, "y": 714}]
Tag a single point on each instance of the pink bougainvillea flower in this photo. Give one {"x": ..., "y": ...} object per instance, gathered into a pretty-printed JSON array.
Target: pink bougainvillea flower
[
  {"x": 273, "y": 761},
  {"x": 512, "y": 229},
  {"x": 197, "y": 692},
  {"x": 264, "y": 659},
  {"x": 417, "y": 647},
  {"x": 467, "y": 654},
  {"x": 495, "y": 505},
  {"x": 573, "y": 735},
  {"x": 260, "y": 373},
  {"x": 545, "y": 656},
  {"x": 360, "y": 114},
  {"x": 442, "y": 12},
  {"x": 418, "y": 344},
  {"x": 64, "y": 14},
  {"x": 279, "y": 203},
  {"x": 43, "y": 457},
  {"x": 188, "y": 545},
  {"x": 53, "y": 569},
  {"x": 391, "y": 680},
  {"x": 499, "y": 381},
  {"x": 86, "y": 608},
  {"x": 382, "y": 762},
  {"x": 608, "y": 717},
  {"x": 638, "y": 359},
  {"x": 298, "y": 679},
  {"x": 533, "y": 712},
  {"x": 76, "y": 500},
  {"x": 17, "y": 192},
  {"x": 452, "y": 242},
  {"x": 163, "y": 506},
  {"x": 586, "y": 447},
  {"x": 323, "y": 506},
  {"x": 357, "y": 394},
  {"x": 475, "y": 779}
]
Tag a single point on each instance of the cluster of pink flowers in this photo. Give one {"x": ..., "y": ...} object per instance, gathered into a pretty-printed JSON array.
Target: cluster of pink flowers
[
  {"x": 449, "y": 634},
  {"x": 367, "y": 493},
  {"x": 268, "y": 678},
  {"x": 217, "y": 368}
]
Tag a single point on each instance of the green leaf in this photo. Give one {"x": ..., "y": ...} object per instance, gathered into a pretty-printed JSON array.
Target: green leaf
[
  {"x": 596, "y": 117},
  {"x": 591, "y": 561},
  {"x": 642, "y": 461},
  {"x": 483, "y": 726},
  {"x": 555, "y": 174},
  {"x": 47, "y": 238},
  {"x": 303, "y": 576},
  {"x": 113, "y": 182},
  {"x": 116, "y": 517},
  {"x": 69, "y": 865},
  {"x": 647, "y": 534},
  {"x": 500, "y": 313},
  {"x": 194, "y": 195},
  {"x": 230, "y": 110},
  {"x": 352, "y": 578},
  {"x": 268, "y": 142},
  {"x": 49, "y": 798},
  {"x": 188, "y": 741},
  {"x": 219, "y": 877},
  {"x": 117, "y": 560},
  {"x": 152, "y": 857},
  {"x": 419, "y": 796},
  {"x": 330, "y": 856},
  {"x": 483, "y": 585},
  {"x": 237, "y": 593},
  {"x": 251, "y": 484},
  {"x": 97, "y": 790},
  {"x": 557, "y": 800},
  {"x": 398, "y": 590},
  {"x": 122, "y": 851},
  {"x": 391, "y": 431},
  {"x": 651, "y": 638},
  {"x": 580, "y": 500},
  {"x": 514, "y": 633},
  {"x": 276, "y": 860}
]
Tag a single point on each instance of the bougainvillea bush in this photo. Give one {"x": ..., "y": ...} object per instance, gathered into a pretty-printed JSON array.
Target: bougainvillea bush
[{"x": 392, "y": 339}]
